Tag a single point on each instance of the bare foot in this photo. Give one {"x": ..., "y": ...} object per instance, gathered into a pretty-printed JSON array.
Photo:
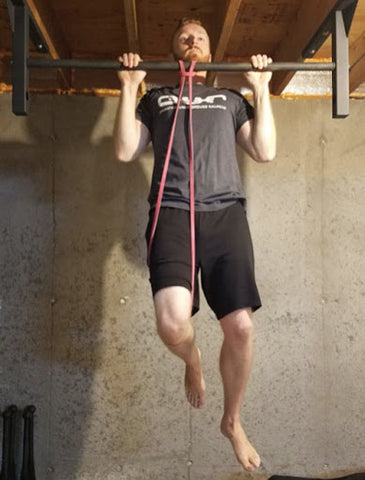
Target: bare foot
[
  {"x": 194, "y": 381},
  {"x": 245, "y": 453}
]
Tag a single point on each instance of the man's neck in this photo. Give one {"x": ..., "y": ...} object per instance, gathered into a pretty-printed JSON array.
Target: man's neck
[{"x": 200, "y": 78}]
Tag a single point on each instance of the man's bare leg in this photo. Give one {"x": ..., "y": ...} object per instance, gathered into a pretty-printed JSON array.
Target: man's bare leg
[
  {"x": 172, "y": 306},
  {"x": 235, "y": 366}
]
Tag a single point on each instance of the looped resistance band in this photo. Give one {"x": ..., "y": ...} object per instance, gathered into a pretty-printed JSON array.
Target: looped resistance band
[{"x": 183, "y": 75}]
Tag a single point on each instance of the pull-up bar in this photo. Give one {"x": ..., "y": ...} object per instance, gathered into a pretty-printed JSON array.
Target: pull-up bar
[
  {"x": 338, "y": 22},
  {"x": 174, "y": 66}
]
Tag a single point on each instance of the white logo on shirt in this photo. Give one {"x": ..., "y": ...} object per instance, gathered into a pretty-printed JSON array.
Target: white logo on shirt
[{"x": 171, "y": 100}]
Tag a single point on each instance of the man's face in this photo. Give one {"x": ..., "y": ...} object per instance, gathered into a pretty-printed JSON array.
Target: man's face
[{"x": 191, "y": 42}]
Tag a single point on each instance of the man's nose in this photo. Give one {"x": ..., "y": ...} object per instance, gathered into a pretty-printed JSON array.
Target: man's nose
[{"x": 191, "y": 40}]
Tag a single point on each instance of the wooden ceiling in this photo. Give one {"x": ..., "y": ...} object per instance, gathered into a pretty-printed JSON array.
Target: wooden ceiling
[{"x": 238, "y": 28}]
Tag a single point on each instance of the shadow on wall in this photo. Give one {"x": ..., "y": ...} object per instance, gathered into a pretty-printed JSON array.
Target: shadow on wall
[
  {"x": 25, "y": 260},
  {"x": 72, "y": 225}
]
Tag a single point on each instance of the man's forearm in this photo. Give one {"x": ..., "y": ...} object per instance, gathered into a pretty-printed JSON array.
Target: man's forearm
[
  {"x": 264, "y": 131},
  {"x": 126, "y": 131}
]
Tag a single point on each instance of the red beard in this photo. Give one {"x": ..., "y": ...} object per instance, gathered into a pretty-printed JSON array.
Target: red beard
[{"x": 195, "y": 54}]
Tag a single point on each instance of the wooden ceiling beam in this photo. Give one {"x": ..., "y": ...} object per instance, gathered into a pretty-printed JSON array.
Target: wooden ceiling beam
[
  {"x": 49, "y": 28},
  {"x": 357, "y": 62},
  {"x": 131, "y": 24},
  {"x": 230, "y": 17},
  {"x": 310, "y": 17}
]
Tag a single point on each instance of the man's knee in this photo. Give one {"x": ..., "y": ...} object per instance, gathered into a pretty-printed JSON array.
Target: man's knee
[
  {"x": 172, "y": 331},
  {"x": 172, "y": 315},
  {"x": 237, "y": 326}
]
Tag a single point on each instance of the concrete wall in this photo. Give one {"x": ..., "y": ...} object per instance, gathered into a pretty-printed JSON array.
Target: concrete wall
[{"x": 77, "y": 335}]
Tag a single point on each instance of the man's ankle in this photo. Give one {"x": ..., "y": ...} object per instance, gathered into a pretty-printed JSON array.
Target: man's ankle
[{"x": 230, "y": 420}]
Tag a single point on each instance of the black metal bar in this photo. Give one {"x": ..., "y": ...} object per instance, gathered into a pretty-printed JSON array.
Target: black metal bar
[
  {"x": 35, "y": 33},
  {"x": 348, "y": 14},
  {"x": 20, "y": 71},
  {"x": 174, "y": 66},
  {"x": 340, "y": 76},
  {"x": 36, "y": 36},
  {"x": 11, "y": 13}
]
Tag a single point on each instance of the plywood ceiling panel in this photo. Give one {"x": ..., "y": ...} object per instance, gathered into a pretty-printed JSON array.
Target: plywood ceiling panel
[
  {"x": 158, "y": 20},
  {"x": 260, "y": 26},
  {"x": 98, "y": 30}
]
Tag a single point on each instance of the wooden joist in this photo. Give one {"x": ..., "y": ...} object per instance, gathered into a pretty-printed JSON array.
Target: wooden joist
[
  {"x": 131, "y": 25},
  {"x": 230, "y": 16},
  {"x": 45, "y": 19}
]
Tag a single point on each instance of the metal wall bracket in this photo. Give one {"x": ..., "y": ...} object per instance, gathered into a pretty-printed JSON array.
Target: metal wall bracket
[
  {"x": 23, "y": 27},
  {"x": 340, "y": 75},
  {"x": 19, "y": 69},
  {"x": 338, "y": 23},
  {"x": 11, "y": 13}
]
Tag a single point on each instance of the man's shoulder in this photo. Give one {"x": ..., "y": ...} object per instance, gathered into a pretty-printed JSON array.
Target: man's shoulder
[
  {"x": 157, "y": 90},
  {"x": 231, "y": 91}
]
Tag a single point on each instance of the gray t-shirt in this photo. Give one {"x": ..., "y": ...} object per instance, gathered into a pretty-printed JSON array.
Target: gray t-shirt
[{"x": 218, "y": 114}]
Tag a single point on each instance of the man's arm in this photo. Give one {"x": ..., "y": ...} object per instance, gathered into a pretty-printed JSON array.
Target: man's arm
[
  {"x": 131, "y": 136},
  {"x": 258, "y": 136}
]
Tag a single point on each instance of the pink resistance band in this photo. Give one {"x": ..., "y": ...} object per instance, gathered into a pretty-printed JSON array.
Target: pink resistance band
[{"x": 183, "y": 75}]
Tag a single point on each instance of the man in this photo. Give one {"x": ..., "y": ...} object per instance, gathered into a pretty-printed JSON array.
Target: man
[{"x": 221, "y": 117}]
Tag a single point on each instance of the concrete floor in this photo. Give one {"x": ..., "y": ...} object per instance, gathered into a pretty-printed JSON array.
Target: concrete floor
[{"x": 77, "y": 335}]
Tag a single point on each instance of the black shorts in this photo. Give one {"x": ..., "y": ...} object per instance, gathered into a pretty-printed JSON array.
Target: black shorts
[{"x": 224, "y": 257}]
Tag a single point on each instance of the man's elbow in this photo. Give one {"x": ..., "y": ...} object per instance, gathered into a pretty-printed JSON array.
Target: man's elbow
[
  {"x": 265, "y": 157},
  {"x": 123, "y": 156},
  {"x": 124, "y": 159}
]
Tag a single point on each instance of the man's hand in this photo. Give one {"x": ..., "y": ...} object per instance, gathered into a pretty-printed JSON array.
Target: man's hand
[
  {"x": 130, "y": 77},
  {"x": 256, "y": 79}
]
